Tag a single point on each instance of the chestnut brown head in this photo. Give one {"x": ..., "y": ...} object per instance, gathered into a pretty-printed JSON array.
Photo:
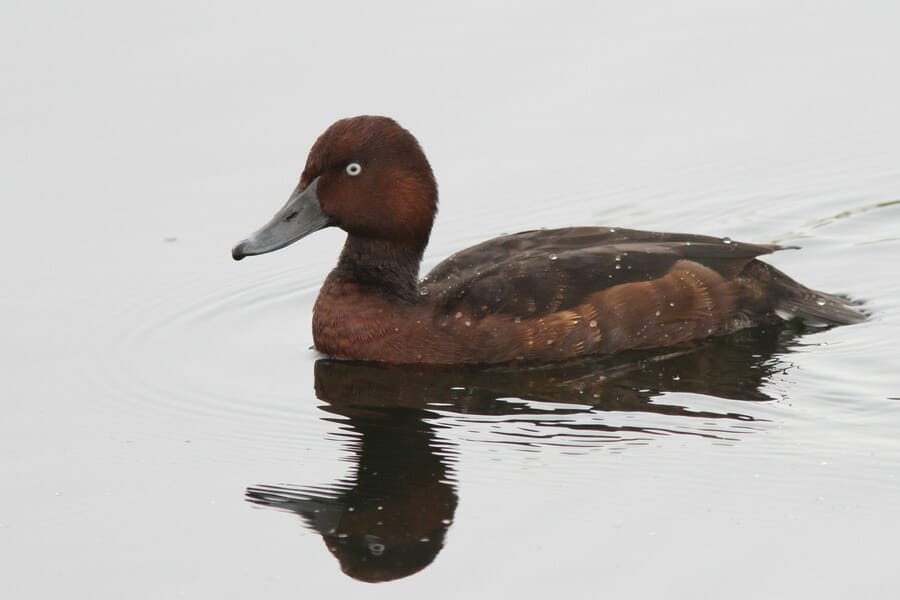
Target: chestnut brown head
[{"x": 366, "y": 175}]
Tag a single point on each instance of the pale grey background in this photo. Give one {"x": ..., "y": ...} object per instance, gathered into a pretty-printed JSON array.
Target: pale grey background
[{"x": 148, "y": 380}]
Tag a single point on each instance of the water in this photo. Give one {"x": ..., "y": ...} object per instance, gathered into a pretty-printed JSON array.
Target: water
[{"x": 167, "y": 432}]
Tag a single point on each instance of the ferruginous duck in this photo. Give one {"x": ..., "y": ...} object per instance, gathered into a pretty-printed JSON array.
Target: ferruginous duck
[{"x": 544, "y": 295}]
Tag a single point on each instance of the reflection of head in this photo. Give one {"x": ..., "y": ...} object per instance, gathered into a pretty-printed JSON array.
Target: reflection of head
[
  {"x": 390, "y": 518},
  {"x": 388, "y": 535},
  {"x": 394, "y": 519},
  {"x": 373, "y": 559}
]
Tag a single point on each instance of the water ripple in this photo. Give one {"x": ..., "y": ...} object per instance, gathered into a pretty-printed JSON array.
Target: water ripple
[{"x": 173, "y": 358}]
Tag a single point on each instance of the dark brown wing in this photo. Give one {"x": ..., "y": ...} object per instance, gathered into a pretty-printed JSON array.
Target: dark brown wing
[{"x": 537, "y": 273}]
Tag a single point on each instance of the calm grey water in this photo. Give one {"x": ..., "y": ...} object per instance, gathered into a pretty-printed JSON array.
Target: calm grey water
[{"x": 167, "y": 432}]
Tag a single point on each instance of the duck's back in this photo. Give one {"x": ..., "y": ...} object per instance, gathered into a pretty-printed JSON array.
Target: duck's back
[{"x": 555, "y": 294}]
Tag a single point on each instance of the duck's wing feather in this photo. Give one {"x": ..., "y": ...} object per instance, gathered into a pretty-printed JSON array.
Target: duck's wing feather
[{"x": 540, "y": 272}]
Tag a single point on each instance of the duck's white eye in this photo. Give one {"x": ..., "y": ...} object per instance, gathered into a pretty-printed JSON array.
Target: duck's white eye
[{"x": 353, "y": 169}]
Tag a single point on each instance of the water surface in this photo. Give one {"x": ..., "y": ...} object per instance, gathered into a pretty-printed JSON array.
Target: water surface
[{"x": 167, "y": 431}]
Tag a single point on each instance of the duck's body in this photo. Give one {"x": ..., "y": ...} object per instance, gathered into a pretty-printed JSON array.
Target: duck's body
[{"x": 536, "y": 296}]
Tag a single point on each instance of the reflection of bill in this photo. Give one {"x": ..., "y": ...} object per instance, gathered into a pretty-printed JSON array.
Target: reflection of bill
[{"x": 389, "y": 519}]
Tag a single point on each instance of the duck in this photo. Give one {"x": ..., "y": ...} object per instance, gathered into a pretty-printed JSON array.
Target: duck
[{"x": 536, "y": 296}]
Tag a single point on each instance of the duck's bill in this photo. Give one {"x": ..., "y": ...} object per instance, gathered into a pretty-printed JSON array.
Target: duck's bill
[{"x": 301, "y": 216}]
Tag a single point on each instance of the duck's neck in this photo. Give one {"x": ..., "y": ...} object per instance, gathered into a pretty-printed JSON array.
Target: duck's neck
[{"x": 380, "y": 266}]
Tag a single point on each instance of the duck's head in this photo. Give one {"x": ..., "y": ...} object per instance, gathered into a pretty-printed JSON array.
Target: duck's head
[{"x": 366, "y": 175}]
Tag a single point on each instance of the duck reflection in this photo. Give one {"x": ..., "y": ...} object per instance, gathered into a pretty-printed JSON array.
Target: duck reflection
[{"x": 390, "y": 518}]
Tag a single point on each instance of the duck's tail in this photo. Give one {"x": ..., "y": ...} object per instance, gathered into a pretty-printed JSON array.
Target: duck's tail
[{"x": 814, "y": 308}]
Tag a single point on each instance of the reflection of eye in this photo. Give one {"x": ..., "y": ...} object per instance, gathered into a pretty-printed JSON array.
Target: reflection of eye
[
  {"x": 376, "y": 548},
  {"x": 353, "y": 169}
]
